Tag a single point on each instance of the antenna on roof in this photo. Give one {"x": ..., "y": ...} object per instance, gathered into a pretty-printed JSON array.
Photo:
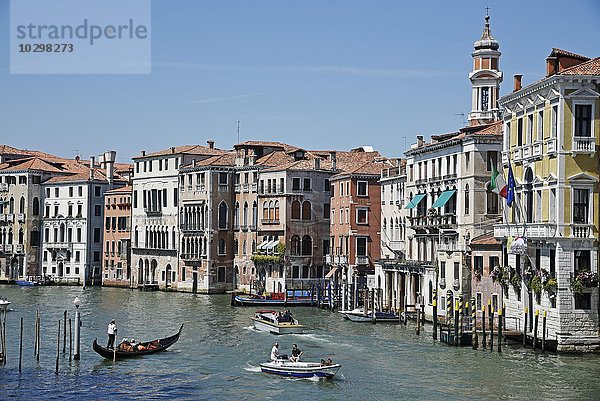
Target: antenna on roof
[
  {"x": 238, "y": 130},
  {"x": 463, "y": 117},
  {"x": 76, "y": 153}
]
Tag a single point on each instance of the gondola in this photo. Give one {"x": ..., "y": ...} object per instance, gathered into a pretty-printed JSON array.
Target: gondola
[{"x": 163, "y": 344}]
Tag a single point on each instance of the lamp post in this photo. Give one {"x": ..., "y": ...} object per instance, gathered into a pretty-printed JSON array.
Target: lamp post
[{"x": 77, "y": 302}]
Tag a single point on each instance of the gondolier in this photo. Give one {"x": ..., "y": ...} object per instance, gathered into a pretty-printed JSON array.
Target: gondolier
[{"x": 112, "y": 332}]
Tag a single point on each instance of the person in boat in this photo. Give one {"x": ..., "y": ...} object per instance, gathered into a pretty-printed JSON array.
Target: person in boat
[
  {"x": 275, "y": 352},
  {"x": 296, "y": 352},
  {"x": 112, "y": 332},
  {"x": 287, "y": 316}
]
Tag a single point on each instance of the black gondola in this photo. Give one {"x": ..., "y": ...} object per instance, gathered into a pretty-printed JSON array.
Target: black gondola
[{"x": 163, "y": 344}]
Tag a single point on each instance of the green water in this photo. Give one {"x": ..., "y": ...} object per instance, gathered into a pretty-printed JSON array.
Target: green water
[{"x": 218, "y": 355}]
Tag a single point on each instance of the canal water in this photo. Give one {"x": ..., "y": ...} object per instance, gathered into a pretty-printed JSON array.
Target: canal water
[{"x": 218, "y": 355}]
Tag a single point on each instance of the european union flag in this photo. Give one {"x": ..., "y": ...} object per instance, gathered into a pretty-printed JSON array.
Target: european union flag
[{"x": 511, "y": 187}]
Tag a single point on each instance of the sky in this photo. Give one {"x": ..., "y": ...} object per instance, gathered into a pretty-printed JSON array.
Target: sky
[{"x": 315, "y": 74}]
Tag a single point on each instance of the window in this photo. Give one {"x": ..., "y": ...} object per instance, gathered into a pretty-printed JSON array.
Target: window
[
  {"x": 580, "y": 205},
  {"x": 478, "y": 265},
  {"x": 79, "y": 235},
  {"x": 296, "y": 210},
  {"x": 96, "y": 234},
  {"x": 467, "y": 202},
  {"x": 306, "y": 210},
  {"x": 582, "y": 261},
  {"x": 96, "y": 256},
  {"x": 222, "y": 178},
  {"x": 361, "y": 215},
  {"x": 222, "y": 249},
  {"x": 175, "y": 197},
  {"x": 56, "y": 192},
  {"x": 326, "y": 210},
  {"x": 306, "y": 245},
  {"x": 326, "y": 185},
  {"x": 295, "y": 184},
  {"x": 583, "y": 120},
  {"x": 491, "y": 201},
  {"x": 442, "y": 270},
  {"x": 492, "y": 160},
  {"x": 554, "y": 121},
  {"x": 97, "y": 191},
  {"x": 223, "y": 215},
  {"x": 362, "y": 188},
  {"x": 70, "y": 192},
  {"x": 307, "y": 184},
  {"x": 456, "y": 270},
  {"x": 77, "y": 256},
  {"x": 295, "y": 245},
  {"x": 583, "y": 301},
  {"x": 530, "y": 129},
  {"x": 540, "y": 126},
  {"x": 361, "y": 246},
  {"x": 520, "y": 132},
  {"x": 97, "y": 210}
]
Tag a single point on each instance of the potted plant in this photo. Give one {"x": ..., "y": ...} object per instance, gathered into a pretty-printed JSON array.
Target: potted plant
[{"x": 550, "y": 285}]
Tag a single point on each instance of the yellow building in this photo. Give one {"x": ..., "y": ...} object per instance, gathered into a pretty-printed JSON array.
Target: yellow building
[{"x": 550, "y": 234}]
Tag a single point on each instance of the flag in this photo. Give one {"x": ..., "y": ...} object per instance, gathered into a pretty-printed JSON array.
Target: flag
[
  {"x": 497, "y": 183},
  {"x": 510, "y": 196}
]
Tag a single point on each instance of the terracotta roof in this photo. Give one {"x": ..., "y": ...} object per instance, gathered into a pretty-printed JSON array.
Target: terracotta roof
[
  {"x": 34, "y": 163},
  {"x": 127, "y": 189},
  {"x": 123, "y": 166},
  {"x": 189, "y": 149},
  {"x": 372, "y": 167},
  {"x": 6, "y": 149},
  {"x": 226, "y": 159},
  {"x": 84, "y": 176},
  {"x": 304, "y": 164},
  {"x": 269, "y": 144},
  {"x": 494, "y": 128},
  {"x": 591, "y": 67},
  {"x": 559, "y": 52},
  {"x": 276, "y": 158},
  {"x": 485, "y": 239}
]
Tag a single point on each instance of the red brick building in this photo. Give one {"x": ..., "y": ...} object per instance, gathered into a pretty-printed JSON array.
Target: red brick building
[{"x": 116, "y": 266}]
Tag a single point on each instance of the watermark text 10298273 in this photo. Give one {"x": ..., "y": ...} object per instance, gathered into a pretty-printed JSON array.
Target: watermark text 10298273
[{"x": 80, "y": 37}]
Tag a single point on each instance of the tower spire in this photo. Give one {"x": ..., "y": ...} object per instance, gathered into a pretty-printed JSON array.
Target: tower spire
[{"x": 485, "y": 77}]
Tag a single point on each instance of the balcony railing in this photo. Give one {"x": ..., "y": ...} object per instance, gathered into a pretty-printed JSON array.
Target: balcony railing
[
  {"x": 505, "y": 157},
  {"x": 442, "y": 221},
  {"x": 551, "y": 146},
  {"x": 452, "y": 247},
  {"x": 8, "y": 248},
  {"x": 223, "y": 187},
  {"x": 153, "y": 212},
  {"x": 517, "y": 154},
  {"x": 581, "y": 230},
  {"x": 3, "y": 187},
  {"x": 537, "y": 150},
  {"x": 21, "y": 218},
  {"x": 529, "y": 230},
  {"x": 362, "y": 260},
  {"x": 584, "y": 144},
  {"x": 526, "y": 149},
  {"x": 456, "y": 284},
  {"x": 328, "y": 259}
]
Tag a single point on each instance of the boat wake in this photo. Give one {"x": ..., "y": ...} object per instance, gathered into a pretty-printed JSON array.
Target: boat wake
[
  {"x": 251, "y": 368},
  {"x": 251, "y": 328}
]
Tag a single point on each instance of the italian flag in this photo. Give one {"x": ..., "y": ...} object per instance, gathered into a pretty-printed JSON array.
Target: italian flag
[{"x": 497, "y": 183}]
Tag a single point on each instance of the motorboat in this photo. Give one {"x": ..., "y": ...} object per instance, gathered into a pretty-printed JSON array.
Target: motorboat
[
  {"x": 288, "y": 298},
  {"x": 28, "y": 283},
  {"x": 287, "y": 368},
  {"x": 145, "y": 348},
  {"x": 276, "y": 323},
  {"x": 4, "y": 304},
  {"x": 357, "y": 315}
]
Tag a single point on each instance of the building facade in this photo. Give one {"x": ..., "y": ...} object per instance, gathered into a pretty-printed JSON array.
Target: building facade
[
  {"x": 550, "y": 233},
  {"x": 116, "y": 261}
]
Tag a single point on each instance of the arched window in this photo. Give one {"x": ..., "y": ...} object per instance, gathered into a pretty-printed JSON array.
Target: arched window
[
  {"x": 254, "y": 214},
  {"x": 245, "y": 215},
  {"x": 35, "y": 207},
  {"x": 529, "y": 195},
  {"x": 306, "y": 206},
  {"x": 295, "y": 245},
  {"x": 271, "y": 211},
  {"x": 236, "y": 217},
  {"x": 265, "y": 211},
  {"x": 136, "y": 237},
  {"x": 223, "y": 215},
  {"x": 236, "y": 245},
  {"x": 244, "y": 248},
  {"x": 491, "y": 201},
  {"x": 276, "y": 208},
  {"x": 430, "y": 292},
  {"x": 62, "y": 233},
  {"x": 306, "y": 245},
  {"x": 467, "y": 201},
  {"x": 11, "y": 205},
  {"x": 21, "y": 236},
  {"x": 296, "y": 210},
  {"x": 384, "y": 223},
  {"x": 22, "y": 205},
  {"x": 222, "y": 246}
]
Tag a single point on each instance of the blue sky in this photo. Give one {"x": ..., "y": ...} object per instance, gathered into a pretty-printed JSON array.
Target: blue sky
[{"x": 317, "y": 74}]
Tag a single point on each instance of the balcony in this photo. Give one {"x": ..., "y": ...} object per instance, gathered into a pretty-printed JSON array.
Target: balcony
[
  {"x": 191, "y": 227},
  {"x": 223, "y": 187},
  {"x": 340, "y": 259},
  {"x": 201, "y": 188},
  {"x": 456, "y": 284},
  {"x": 584, "y": 145},
  {"x": 449, "y": 178},
  {"x": 246, "y": 187},
  {"x": 537, "y": 150},
  {"x": 517, "y": 154},
  {"x": 328, "y": 259},
  {"x": 237, "y": 188},
  {"x": 153, "y": 212},
  {"x": 551, "y": 146},
  {"x": 7, "y": 218},
  {"x": 21, "y": 218},
  {"x": 362, "y": 260},
  {"x": 581, "y": 231},
  {"x": 8, "y": 248},
  {"x": 254, "y": 187},
  {"x": 269, "y": 221},
  {"x": 440, "y": 221},
  {"x": 526, "y": 151},
  {"x": 452, "y": 247},
  {"x": 3, "y": 187},
  {"x": 396, "y": 246},
  {"x": 529, "y": 230}
]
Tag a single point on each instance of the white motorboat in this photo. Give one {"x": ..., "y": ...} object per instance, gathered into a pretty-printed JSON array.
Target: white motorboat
[
  {"x": 287, "y": 368},
  {"x": 4, "y": 304},
  {"x": 357, "y": 315},
  {"x": 276, "y": 323}
]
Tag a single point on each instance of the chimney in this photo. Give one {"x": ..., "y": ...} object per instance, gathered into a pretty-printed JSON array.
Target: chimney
[
  {"x": 333, "y": 156},
  {"x": 551, "y": 65},
  {"x": 518, "y": 78},
  {"x": 92, "y": 165},
  {"x": 143, "y": 153},
  {"x": 211, "y": 143},
  {"x": 193, "y": 162},
  {"x": 317, "y": 164},
  {"x": 109, "y": 164},
  {"x": 419, "y": 140},
  {"x": 172, "y": 149}
]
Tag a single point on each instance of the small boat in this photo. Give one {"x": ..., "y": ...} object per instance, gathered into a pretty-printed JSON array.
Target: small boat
[
  {"x": 286, "y": 368},
  {"x": 150, "y": 347},
  {"x": 4, "y": 304},
  {"x": 357, "y": 315},
  {"x": 293, "y": 298},
  {"x": 266, "y": 320},
  {"x": 28, "y": 283}
]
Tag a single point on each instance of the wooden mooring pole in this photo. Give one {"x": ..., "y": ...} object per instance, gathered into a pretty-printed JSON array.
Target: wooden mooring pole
[
  {"x": 57, "y": 347},
  {"x": 39, "y": 339},
  {"x": 435, "y": 322},
  {"x": 64, "y": 332},
  {"x": 21, "y": 346},
  {"x": 70, "y": 340},
  {"x": 483, "y": 342},
  {"x": 474, "y": 339},
  {"x": 456, "y": 321},
  {"x": 544, "y": 333},
  {"x": 500, "y": 330},
  {"x": 491, "y": 313},
  {"x": 525, "y": 329},
  {"x": 535, "y": 328}
]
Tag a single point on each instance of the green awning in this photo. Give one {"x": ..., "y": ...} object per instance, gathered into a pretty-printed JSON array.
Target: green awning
[
  {"x": 444, "y": 198},
  {"x": 415, "y": 201}
]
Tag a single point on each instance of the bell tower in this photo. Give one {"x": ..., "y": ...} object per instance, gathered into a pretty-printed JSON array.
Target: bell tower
[{"x": 485, "y": 78}]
